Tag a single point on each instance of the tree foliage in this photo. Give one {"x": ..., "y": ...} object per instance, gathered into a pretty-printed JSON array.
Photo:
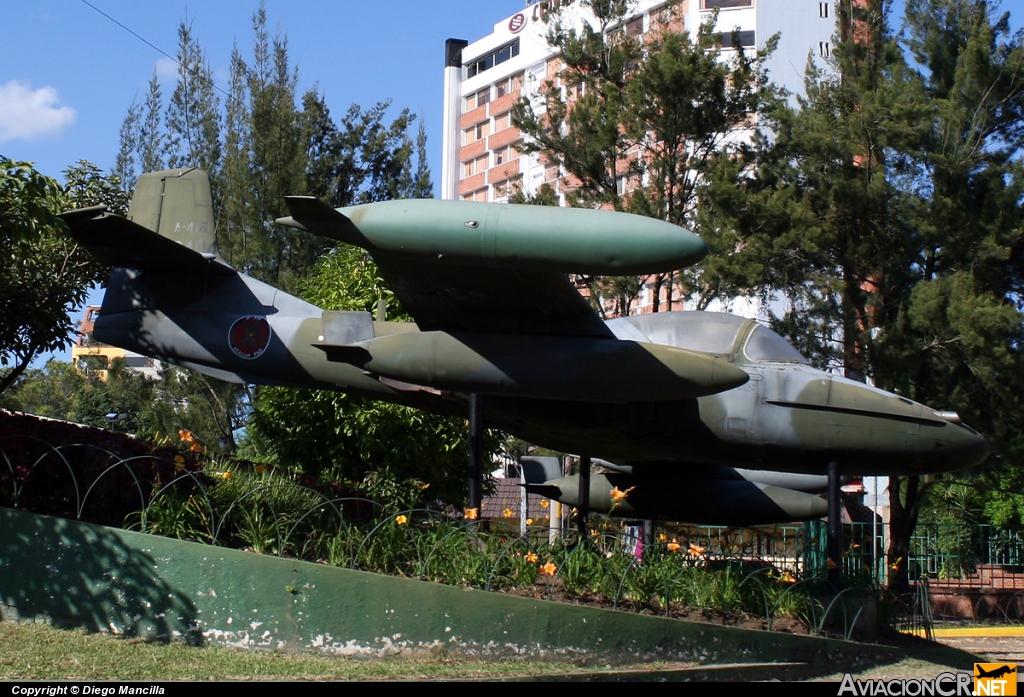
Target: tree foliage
[
  {"x": 153, "y": 409},
  {"x": 265, "y": 142},
  {"x": 888, "y": 209},
  {"x": 45, "y": 275},
  {"x": 330, "y": 434},
  {"x": 634, "y": 123}
]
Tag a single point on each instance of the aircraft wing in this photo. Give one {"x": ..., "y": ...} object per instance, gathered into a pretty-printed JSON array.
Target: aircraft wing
[
  {"x": 490, "y": 301},
  {"x": 499, "y": 269}
]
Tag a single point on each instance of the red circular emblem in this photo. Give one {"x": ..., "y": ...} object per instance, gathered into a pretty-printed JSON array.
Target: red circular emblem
[
  {"x": 517, "y": 22},
  {"x": 249, "y": 336}
]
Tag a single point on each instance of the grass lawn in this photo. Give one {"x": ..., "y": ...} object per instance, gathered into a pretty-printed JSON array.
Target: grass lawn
[{"x": 37, "y": 651}]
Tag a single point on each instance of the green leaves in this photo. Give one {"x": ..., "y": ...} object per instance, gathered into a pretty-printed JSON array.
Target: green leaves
[
  {"x": 44, "y": 274},
  {"x": 641, "y": 123}
]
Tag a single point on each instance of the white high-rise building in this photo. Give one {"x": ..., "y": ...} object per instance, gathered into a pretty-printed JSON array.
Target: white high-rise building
[{"x": 484, "y": 79}]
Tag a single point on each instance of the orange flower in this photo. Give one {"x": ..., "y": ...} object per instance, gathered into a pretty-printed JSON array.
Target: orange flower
[
  {"x": 544, "y": 503},
  {"x": 674, "y": 546},
  {"x": 195, "y": 447},
  {"x": 531, "y": 557},
  {"x": 695, "y": 550},
  {"x": 186, "y": 436},
  {"x": 507, "y": 513},
  {"x": 226, "y": 475},
  {"x": 855, "y": 546},
  {"x": 549, "y": 569},
  {"x": 831, "y": 564},
  {"x": 471, "y": 513},
  {"x": 618, "y": 495},
  {"x": 401, "y": 520},
  {"x": 260, "y": 469},
  {"x": 662, "y": 537},
  {"x": 786, "y": 578},
  {"x": 529, "y": 521}
]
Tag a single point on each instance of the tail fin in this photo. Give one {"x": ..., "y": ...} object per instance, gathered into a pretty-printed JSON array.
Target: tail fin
[
  {"x": 169, "y": 227},
  {"x": 176, "y": 204}
]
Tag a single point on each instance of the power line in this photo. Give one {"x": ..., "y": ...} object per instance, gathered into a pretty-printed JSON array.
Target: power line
[{"x": 197, "y": 72}]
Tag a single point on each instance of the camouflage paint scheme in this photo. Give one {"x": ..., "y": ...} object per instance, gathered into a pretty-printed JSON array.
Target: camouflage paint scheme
[{"x": 666, "y": 395}]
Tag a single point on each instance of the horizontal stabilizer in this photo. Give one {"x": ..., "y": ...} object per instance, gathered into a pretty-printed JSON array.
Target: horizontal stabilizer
[
  {"x": 353, "y": 355},
  {"x": 313, "y": 215},
  {"x": 548, "y": 491},
  {"x": 119, "y": 242}
]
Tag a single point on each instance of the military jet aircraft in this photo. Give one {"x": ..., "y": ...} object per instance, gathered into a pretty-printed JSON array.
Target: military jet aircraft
[{"x": 676, "y": 400}]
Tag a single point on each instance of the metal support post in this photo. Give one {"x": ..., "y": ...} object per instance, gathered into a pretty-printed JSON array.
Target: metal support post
[
  {"x": 835, "y": 528},
  {"x": 583, "y": 512},
  {"x": 476, "y": 467}
]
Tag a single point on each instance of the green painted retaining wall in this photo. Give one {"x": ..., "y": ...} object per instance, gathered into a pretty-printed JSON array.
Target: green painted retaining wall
[{"x": 106, "y": 579}]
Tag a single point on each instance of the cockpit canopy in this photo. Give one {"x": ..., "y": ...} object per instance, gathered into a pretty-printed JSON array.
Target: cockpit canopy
[{"x": 711, "y": 332}]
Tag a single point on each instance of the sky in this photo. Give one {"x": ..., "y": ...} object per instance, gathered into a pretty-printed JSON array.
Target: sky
[{"x": 68, "y": 74}]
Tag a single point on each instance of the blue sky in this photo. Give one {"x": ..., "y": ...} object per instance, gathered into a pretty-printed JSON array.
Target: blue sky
[{"x": 68, "y": 74}]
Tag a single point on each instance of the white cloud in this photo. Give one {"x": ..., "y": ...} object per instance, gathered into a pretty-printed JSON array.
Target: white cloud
[
  {"x": 166, "y": 69},
  {"x": 27, "y": 114}
]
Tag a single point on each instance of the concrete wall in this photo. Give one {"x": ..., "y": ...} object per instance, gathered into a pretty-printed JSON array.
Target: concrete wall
[{"x": 105, "y": 579}]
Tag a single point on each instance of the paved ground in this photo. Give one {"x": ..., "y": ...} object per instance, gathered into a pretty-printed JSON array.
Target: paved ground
[{"x": 996, "y": 643}]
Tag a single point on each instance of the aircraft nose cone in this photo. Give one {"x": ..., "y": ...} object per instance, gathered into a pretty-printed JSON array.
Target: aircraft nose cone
[{"x": 966, "y": 447}]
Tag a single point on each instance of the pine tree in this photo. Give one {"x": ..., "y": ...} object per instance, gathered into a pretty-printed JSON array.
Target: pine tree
[
  {"x": 645, "y": 115},
  {"x": 887, "y": 209}
]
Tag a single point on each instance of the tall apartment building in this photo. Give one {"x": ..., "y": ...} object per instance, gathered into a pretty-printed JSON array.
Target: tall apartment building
[{"x": 484, "y": 79}]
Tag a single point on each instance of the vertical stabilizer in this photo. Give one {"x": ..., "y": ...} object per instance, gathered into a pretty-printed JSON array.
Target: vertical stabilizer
[{"x": 177, "y": 204}]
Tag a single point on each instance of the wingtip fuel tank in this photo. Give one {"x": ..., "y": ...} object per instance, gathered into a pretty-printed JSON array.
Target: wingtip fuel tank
[{"x": 538, "y": 238}]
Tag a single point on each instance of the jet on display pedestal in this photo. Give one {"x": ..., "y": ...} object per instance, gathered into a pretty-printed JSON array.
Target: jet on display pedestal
[{"x": 674, "y": 400}]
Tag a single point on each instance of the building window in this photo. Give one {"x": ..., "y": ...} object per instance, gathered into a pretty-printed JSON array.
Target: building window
[
  {"x": 823, "y": 10},
  {"x": 725, "y": 4},
  {"x": 502, "y": 121},
  {"x": 474, "y": 166},
  {"x": 507, "y": 188},
  {"x": 509, "y": 86},
  {"x": 573, "y": 91},
  {"x": 494, "y": 58},
  {"x": 505, "y": 154},
  {"x": 478, "y": 195},
  {"x": 747, "y": 39},
  {"x": 824, "y": 49},
  {"x": 635, "y": 27},
  {"x": 475, "y": 133},
  {"x": 478, "y": 99},
  {"x": 550, "y": 172}
]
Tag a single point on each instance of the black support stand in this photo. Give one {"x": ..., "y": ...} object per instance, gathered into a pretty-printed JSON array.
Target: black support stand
[
  {"x": 835, "y": 528},
  {"x": 476, "y": 467},
  {"x": 583, "y": 512}
]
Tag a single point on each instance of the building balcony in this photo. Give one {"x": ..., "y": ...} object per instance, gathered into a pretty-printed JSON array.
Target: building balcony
[
  {"x": 504, "y": 137},
  {"x": 474, "y": 149},
  {"x": 500, "y": 173},
  {"x": 472, "y": 183},
  {"x": 473, "y": 117},
  {"x": 503, "y": 103}
]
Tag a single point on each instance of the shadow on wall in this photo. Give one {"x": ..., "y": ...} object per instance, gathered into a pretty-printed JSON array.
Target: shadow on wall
[{"x": 87, "y": 577}]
